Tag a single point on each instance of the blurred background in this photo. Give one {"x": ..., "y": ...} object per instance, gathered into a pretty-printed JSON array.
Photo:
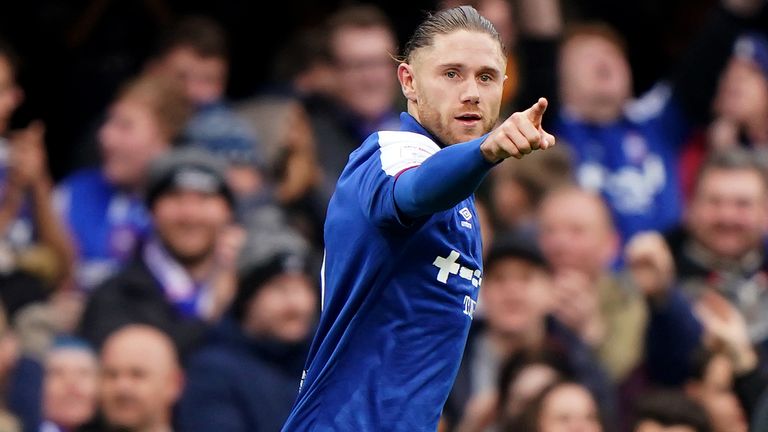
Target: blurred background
[
  {"x": 75, "y": 54},
  {"x": 165, "y": 170}
]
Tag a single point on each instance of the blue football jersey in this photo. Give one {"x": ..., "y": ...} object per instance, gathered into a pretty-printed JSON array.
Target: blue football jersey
[
  {"x": 633, "y": 162},
  {"x": 397, "y": 302}
]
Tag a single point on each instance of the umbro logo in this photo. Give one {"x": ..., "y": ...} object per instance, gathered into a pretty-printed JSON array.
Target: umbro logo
[{"x": 467, "y": 215}]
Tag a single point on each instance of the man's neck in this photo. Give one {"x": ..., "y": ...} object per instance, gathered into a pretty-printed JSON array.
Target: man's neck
[
  {"x": 413, "y": 110},
  {"x": 200, "y": 270},
  {"x": 708, "y": 259}
]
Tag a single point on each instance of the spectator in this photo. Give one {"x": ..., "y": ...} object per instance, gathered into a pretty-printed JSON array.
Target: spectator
[
  {"x": 54, "y": 390},
  {"x": 303, "y": 67},
  {"x": 720, "y": 248},
  {"x": 141, "y": 380},
  {"x": 516, "y": 300},
  {"x": 34, "y": 246},
  {"x": 184, "y": 276},
  {"x": 38, "y": 242},
  {"x": 741, "y": 104},
  {"x": 669, "y": 411},
  {"x": 578, "y": 239},
  {"x": 291, "y": 162},
  {"x": 629, "y": 150},
  {"x": 69, "y": 386},
  {"x": 195, "y": 53},
  {"x": 711, "y": 385},
  {"x": 516, "y": 190},
  {"x": 274, "y": 212},
  {"x": 562, "y": 407},
  {"x": 726, "y": 336},
  {"x": 523, "y": 378},
  {"x": 722, "y": 243},
  {"x": 673, "y": 332},
  {"x": 740, "y": 107},
  {"x": 259, "y": 350},
  {"x": 361, "y": 43},
  {"x": 103, "y": 206}
]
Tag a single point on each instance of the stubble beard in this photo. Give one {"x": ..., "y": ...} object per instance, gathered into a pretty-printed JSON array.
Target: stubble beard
[
  {"x": 440, "y": 127},
  {"x": 188, "y": 258}
]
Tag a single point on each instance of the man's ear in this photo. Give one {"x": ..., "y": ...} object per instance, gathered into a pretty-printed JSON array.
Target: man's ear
[{"x": 406, "y": 77}]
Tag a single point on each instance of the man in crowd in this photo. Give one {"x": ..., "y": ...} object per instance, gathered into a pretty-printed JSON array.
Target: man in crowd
[
  {"x": 195, "y": 53},
  {"x": 184, "y": 275},
  {"x": 517, "y": 299},
  {"x": 259, "y": 351},
  {"x": 34, "y": 246},
  {"x": 141, "y": 380},
  {"x": 740, "y": 107},
  {"x": 629, "y": 149},
  {"x": 361, "y": 42},
  {"x": 720, "y": 248},
  {"x": 59, "y": 391},
  {"x": 103, "y": 207},
  {"x": 580, "y": 243}
]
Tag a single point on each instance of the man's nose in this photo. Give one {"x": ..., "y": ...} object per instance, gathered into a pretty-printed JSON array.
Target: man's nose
[{"x": 470, "y": 92}]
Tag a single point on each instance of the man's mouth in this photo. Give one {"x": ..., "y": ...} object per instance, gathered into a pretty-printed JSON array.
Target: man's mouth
[{"x": 469, "y": 119}]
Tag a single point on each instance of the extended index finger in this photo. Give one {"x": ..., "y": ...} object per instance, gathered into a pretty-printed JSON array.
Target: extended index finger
[{"x": 536, "y": 111}]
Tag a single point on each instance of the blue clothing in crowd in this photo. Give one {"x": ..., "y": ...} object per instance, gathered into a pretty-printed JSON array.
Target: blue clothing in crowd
[
  {"x": 254, "y": 386},
  {"x": 107, "y": 223},
  {"x": 633, "y": 161}
]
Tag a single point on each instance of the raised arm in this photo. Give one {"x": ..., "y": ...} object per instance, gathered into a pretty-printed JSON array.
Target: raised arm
[
  {"x": 453, "y": 174},
  {"x": 29, "y": 159}
]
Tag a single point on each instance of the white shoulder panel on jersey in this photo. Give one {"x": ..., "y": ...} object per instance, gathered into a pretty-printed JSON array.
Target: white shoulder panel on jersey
[
  {"x": 649, "y": 104},
  {"x": 401, "y": 150}
]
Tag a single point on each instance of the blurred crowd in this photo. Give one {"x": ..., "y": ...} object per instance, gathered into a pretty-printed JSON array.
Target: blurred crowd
[{"x": 176, "y": 285}]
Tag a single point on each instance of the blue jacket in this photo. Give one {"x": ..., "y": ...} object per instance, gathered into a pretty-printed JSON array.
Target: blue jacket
[
  {"x": 107, "y": 224},
  {"x": 236, "y": 383}
]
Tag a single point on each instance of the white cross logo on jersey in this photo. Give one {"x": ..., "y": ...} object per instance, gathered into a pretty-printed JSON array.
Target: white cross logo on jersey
[{"x": 449, "y": 266}]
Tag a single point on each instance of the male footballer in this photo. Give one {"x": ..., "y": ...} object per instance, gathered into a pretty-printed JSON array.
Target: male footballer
[{"x": 403, "y": 260}]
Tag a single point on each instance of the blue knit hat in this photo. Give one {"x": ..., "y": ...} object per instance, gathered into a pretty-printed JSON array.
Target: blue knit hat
[{"x": 219, "y": 131}]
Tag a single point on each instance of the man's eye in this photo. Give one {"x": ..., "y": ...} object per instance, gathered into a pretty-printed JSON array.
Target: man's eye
[
  {"x": 486, "y": 78},
  {"x": 451, "y": 74}
]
